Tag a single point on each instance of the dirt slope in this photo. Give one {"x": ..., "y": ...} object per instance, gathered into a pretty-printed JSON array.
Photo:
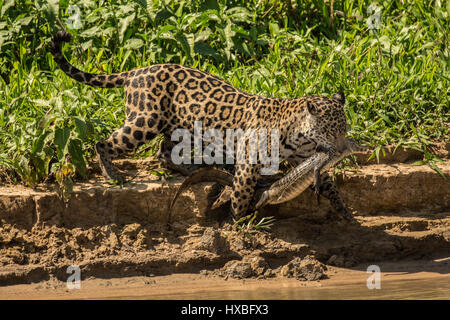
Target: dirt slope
[{"x": 401, "y": 211}]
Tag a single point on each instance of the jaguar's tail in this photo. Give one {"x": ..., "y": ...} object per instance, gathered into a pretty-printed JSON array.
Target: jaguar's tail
[{"x": 115, "y": 80}]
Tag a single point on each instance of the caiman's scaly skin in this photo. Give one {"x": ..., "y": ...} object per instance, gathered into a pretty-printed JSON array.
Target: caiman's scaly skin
[{"x": 301, "y": 177}]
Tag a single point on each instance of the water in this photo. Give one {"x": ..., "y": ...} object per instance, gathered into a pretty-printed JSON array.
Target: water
[
  {"x": 401, "y": 289},
  {"x": 346, "y": 285}
]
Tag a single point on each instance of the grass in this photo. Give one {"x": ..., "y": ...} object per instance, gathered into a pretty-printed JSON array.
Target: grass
[
  {"x": 396, "y": 77},
  {"x": 249, "y": 223}
]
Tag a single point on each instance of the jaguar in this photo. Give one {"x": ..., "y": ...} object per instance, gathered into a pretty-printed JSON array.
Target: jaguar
[{"x": 164, "y": 97}]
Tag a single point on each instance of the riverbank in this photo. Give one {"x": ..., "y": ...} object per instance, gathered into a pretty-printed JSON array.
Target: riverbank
[{"x": 401, "y": 213}]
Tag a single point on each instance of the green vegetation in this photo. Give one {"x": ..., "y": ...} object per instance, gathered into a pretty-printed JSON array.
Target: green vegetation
[
  {"x": 248, "y": 223},
  {"x": 396, "y": 77}
]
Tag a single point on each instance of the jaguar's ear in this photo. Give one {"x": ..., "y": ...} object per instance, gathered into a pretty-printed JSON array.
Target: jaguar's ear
[
  {"x": 339, "y": 97},
  {"x": 312, "y": 109}
]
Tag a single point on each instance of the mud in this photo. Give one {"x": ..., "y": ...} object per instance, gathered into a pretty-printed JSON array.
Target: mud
[{"x": 401, "y": 212}]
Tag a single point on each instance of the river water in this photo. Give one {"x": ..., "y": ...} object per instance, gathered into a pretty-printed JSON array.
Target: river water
[
  {"x": 342, "y": 284},
  {"x": 404, "y": 289}
]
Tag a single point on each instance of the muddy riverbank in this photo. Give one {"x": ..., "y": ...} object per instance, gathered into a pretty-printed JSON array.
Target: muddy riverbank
[{"x": 402, "y": 212}]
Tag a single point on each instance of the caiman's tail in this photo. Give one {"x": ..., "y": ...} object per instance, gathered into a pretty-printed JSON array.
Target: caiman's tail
[
  {"x": 208, "y": 174},
  {"x": 115, "y": 80}
]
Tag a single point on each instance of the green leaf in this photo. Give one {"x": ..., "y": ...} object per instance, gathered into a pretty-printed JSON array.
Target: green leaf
[
  {"x": 68, "y": 186},
  {"x": 179, "y": 11},
  {"x": 419, "y": 163},
  {"x": 123, "y": 25},
  {"x": 91, "y": 32},
  {"x": 133, "y": 44},
  {"x": 436, "y": 168},
  {"x": 162, "y": 15},
  {"x": 142, "y": 3},
  {"x": 209, "y": 5},
  {"x": 238, "y": 13},
  {"x": 61, "y": 141},
  {"x": 165, "y": 32},
  {"x": 274, "y": 29},
  {"x": 6, "y": 5},
  {"x": 81, "y": 128},
  {"x": 38, "y": 144},
  {"x": 183, "y": 41},
  {"x": 75, "y": 149},
  {"x": 228, "y": 39},
  {"x": 86, "y": 45},
  {"x": 204, "y": 49},
  {"x": 52, "y": 8}
]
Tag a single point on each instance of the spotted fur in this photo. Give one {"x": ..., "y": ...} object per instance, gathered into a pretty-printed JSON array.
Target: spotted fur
[{"x": 164, "y": 97}]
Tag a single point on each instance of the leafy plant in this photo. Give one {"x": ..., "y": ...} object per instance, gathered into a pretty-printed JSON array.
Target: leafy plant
[
  {"x": 248, "y": 223},
  {"x": 162, "y": 174},
  {"x": 396, "y": 78}
]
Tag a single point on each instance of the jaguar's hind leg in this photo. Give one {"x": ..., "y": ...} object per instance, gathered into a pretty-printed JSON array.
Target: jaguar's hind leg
[
  {"x": 164, "y": 155},
  {"x": 124, "y": 140}
]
